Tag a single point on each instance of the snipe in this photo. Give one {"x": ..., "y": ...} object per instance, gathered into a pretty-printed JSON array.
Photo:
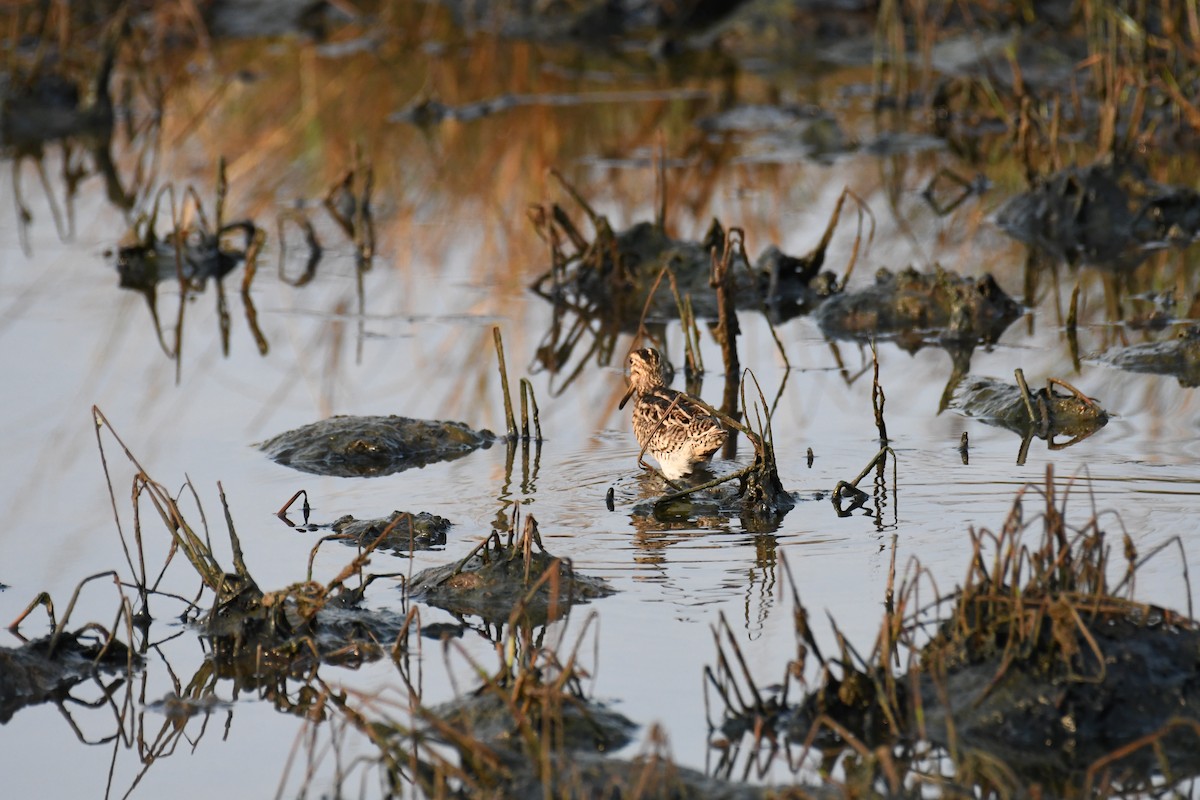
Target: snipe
[{"x": 671, "y": 425}]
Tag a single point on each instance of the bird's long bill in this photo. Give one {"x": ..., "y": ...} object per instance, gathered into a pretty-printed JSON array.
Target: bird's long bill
[{"x": 625, "y": 399}]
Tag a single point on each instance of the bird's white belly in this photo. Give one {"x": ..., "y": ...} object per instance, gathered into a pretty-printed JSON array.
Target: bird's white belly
[{"x": 676, "y": 463}]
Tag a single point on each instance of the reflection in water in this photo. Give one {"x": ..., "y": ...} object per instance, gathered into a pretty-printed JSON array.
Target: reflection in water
[
  {"x": 509, "y": 502},
  {"x": 192, "y": 253},
  {"x": 52, "y": 95},
  {"x": 1178, "y": 356}
]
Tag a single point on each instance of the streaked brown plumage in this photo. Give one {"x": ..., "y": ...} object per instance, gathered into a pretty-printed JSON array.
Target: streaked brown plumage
[{"x": 669, "y": 424}]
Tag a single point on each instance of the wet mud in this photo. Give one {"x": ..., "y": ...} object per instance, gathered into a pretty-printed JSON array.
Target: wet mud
[
  {"x": 405, "y": 531},
  {"x": 1179, "y": 356},
  {"x": 1046, "y": 413},
  {"x": 373, "y": 446},
  {"x": 45, "y": 669},
  {"x": 500, "y": 579},
  {"x": 913, "y": 307},
  {"x": 1109, "y": 214}
]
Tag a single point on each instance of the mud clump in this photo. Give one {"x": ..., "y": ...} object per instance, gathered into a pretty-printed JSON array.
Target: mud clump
[
  {"x": 606, "y": 23},
  {"x": 371, "y": 446},
  {"x": 55, "y": 96},
  {"x": 913, "y": 306},
  {"x": 46, "y": 669},
  {"x": 619, "y": 275},
  {"x": 1179, "y": 357},
  {"x": 582, "y": 774},
  {"x": 286, "y": 632},
  {"x": 498, "y": 579},
  {"x": 405, "y": 531},
  {"x": 1106, "y": 215},
  {"x": 272, "y": 18},
  {"x": 1089, "y": 685},
  {"x": 1045, "y": 413},
  {"x": 1043, "y": 664},
  {"x": 578, "y": 725},
  {"x": 1040, "y": 677}
]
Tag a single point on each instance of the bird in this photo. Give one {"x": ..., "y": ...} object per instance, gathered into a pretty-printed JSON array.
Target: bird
[{"x": 670, "y": 425}]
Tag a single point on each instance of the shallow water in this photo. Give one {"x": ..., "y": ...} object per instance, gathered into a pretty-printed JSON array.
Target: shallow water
[{"x": 455, "y": 257}]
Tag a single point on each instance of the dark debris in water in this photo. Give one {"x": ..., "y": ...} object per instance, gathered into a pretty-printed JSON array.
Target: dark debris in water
[
  {"x": 348, "y": 446},
  {"x": 194, "y": 255},
  {"x": 1109, "y": 214},
  {"x": 1179, "y": 356},
  {"x": 1046, "y": 413},
  {"x": 913, "y": 306},
  {"x": 408, "y": 531},
  {"x": 46, "y": 669},
  {"x": 498, "y": 579}
]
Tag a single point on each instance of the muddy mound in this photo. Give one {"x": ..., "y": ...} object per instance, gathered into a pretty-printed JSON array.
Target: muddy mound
[
  {"x": 371, "y": 446},
  {"x": 405, "y": 531},
  {"x": 45, "y": 669},
  {"x": 498, "y": 579},
  {"x": 1046, "y": 413},
  {"x": 1179, "y": 357},
  {"x": 906, "y": 304},
  {"x": 1107, "y": 215}
]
